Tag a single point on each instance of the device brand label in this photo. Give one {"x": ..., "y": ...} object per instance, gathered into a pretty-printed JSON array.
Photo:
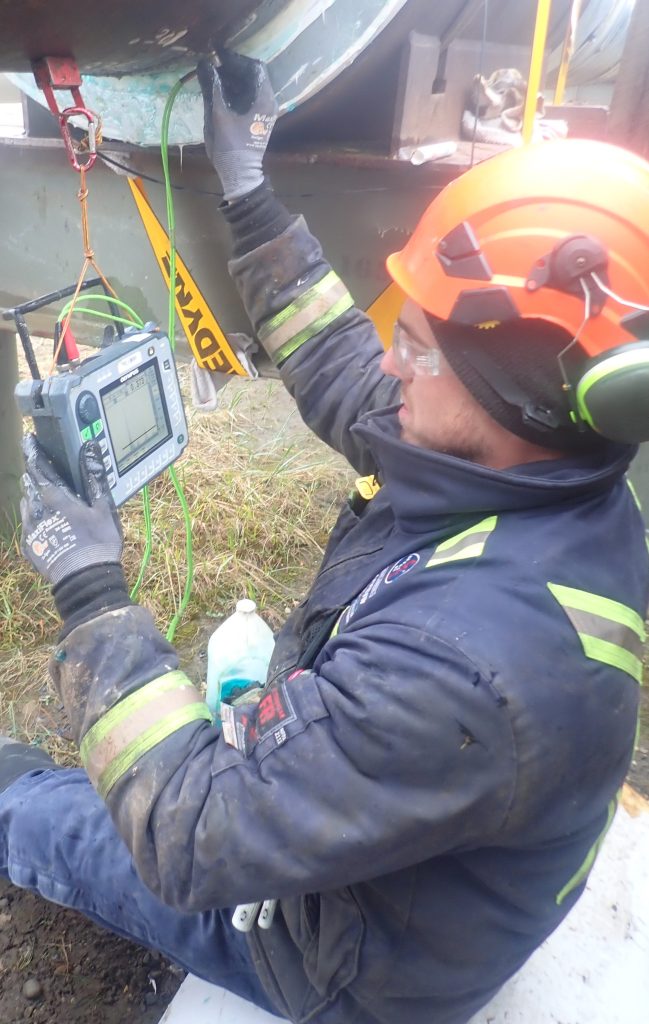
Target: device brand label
[{"x": 127, "y": 376}]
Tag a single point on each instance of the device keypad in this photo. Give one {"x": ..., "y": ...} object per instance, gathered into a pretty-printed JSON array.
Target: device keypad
[{"x": 95, "y": 431}]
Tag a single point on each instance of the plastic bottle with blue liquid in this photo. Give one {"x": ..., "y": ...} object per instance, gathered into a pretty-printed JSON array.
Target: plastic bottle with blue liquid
[{"x": 238, "y": 655}]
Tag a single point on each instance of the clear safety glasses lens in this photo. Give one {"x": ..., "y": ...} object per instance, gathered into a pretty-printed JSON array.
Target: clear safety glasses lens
[{"x": 412, "y": 357}]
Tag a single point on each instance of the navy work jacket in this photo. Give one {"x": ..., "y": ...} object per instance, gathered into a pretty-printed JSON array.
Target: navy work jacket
[{"x": 449, "y": 716}]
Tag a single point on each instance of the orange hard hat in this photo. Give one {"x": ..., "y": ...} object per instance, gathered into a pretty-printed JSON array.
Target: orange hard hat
[{"x": 520, "y": 234}]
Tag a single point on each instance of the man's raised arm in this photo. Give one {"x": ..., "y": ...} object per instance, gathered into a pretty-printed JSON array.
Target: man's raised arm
[{"x": 326, "y": 349}]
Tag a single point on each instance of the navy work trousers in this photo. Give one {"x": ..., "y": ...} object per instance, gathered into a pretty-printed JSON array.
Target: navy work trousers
[{"x": 57, "y": 839}]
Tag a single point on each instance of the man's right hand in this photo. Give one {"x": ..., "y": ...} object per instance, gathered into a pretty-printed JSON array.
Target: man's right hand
[{"x": 240, "y": 112}]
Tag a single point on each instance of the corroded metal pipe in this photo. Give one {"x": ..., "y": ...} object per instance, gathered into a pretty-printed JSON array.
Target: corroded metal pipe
[{"x": 117, "y": 37}]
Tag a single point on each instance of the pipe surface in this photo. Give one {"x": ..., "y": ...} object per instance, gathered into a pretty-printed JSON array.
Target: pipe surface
[{"x": 120, "y": 36}]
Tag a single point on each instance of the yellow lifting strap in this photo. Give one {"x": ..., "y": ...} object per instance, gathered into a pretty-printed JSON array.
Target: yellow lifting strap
[
  {"x": 536, "y": 67},
  {"x": 207, "y": 341}
]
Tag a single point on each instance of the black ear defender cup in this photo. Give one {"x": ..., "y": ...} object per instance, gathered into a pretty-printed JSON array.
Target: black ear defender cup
[
  {"x": 612, "y": 391},
  {"x": 612, "y": 394}
]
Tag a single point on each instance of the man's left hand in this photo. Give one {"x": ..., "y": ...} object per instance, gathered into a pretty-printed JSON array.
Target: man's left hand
[{"x": 62, "y": 533}]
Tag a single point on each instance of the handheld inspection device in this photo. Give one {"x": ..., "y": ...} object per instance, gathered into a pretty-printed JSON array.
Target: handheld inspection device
[{"x": 126, "y": 397}]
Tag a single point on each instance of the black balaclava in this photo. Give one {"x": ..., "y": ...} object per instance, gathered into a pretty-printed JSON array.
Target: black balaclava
[{"x": 513, "y": 372}]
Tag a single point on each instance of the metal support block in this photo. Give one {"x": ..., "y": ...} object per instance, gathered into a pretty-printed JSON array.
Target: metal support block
[
  {"x": 585, "y": 121},
  {"x": 435, "y": 84},
  {"x": 11, "y": 463},
  {"x": 417, "y": 106},
  {"x": 56, "y": 73}
]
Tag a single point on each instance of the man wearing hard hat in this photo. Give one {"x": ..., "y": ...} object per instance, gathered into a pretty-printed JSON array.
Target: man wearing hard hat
[{"x": 451, "y": 712}]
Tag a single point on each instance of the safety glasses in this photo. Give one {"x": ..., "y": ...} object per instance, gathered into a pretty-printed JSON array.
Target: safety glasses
[{"x": 412, "y": 358}]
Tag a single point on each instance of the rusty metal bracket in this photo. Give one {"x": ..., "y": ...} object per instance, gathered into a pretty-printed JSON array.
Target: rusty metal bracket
[{"x": 52, "y": 73}]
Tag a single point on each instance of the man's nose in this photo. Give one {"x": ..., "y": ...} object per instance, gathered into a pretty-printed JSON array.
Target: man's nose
[{"x": 388, "y": 364}]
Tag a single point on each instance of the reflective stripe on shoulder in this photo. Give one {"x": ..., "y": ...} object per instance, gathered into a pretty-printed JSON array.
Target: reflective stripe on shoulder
[
  {"x": 138, "y": 723},
  {"x": 468, "y": 544},
  {"x": 609, "y": 631},
  {"x": 314, "y": 310}
]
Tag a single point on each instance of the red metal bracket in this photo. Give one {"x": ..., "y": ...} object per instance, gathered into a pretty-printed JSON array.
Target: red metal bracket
[{"x": 53, "y": 73}]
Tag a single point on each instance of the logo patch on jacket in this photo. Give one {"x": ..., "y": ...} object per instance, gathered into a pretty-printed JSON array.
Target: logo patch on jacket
[
  {"x": 390, "y": 574},
  {"x": 403, "y": 566}
]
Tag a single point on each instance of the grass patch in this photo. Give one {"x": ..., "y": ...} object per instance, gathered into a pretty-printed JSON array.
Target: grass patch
[{"x": 263, "y": 494}]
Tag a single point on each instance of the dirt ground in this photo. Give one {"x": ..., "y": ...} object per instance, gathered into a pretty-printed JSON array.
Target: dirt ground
[{"x": 56, "y": 966}]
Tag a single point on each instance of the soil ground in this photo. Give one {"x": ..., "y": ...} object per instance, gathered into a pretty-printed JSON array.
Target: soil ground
[{"x": 84, "y": 975}]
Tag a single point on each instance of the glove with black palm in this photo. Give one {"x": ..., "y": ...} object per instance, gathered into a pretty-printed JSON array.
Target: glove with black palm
[
  {"x": 240, "y": 112},
  {"x": 75, "y": 544}
]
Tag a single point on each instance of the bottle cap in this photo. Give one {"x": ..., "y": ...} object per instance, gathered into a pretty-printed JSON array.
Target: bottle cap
[{"x": 246, "y": 605}]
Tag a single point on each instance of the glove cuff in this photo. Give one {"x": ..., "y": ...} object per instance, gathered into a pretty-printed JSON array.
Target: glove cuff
[
  {"x": 89, "y": 593},
  {"x": 256, "y": 219}
]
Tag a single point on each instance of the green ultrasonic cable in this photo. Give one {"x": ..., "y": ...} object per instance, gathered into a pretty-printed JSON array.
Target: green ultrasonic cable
[
  {"x": 171, "y": 230},
  {"x": 148, "y": 542},
  {"x": 100, "y": 315},
  {"x": 135, "y": 320}
]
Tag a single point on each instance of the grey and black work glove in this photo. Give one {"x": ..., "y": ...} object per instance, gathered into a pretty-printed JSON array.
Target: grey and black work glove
[
  {"x": 240, "y": 112},
  {"x": 75, "y": 544}
]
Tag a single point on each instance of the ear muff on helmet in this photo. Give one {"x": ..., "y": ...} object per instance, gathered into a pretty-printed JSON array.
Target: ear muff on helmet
[{"x": 612, "y": 393}]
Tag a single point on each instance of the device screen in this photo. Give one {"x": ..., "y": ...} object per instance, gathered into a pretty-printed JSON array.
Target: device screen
[{"x": 136, "y": 417}]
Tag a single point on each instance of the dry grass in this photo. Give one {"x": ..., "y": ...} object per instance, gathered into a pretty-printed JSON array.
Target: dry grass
[{"x": 262, "y": 493}]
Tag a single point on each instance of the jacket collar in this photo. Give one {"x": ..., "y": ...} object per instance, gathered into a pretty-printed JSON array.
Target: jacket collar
[{"x": 426, "y": 488}]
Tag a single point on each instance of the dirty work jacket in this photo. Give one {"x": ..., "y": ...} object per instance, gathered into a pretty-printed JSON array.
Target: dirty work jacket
[{"x": 423, "y": 789}]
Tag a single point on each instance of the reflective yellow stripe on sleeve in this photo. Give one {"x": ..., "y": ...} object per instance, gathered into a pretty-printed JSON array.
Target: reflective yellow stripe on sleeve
[
  {"x": 136, "y": 725},
  {"x": 468, "y": 544},
  {"x": 311, "y": 313},
  {"x": 610, "y": 632}
]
